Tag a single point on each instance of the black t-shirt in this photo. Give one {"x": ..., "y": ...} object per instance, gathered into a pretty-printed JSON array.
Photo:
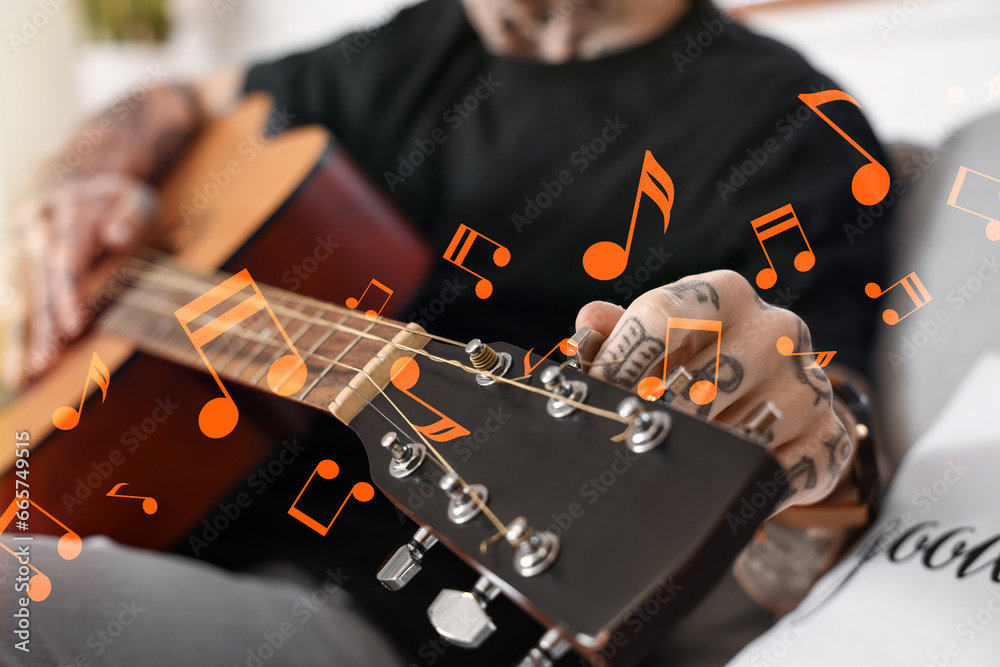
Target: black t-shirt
[{"x": 546, "y": 159}]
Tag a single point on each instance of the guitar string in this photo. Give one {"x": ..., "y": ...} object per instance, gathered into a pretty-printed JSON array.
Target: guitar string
[
  {"x": 441, "y": 459},
  {"x": 201, "y": 285},
  {"x": 168, "y": 262}
]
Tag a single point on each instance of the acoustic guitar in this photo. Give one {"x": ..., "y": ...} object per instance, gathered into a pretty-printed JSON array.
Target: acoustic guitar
[{"x": 660, "y": 482}]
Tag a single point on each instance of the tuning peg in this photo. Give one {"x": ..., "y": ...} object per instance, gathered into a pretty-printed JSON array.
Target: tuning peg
[
  {"x": 759, "y": 420},
  {"x": 405, "y": 457},
  {"x": 557, "y": 383},
  {"x": 584, "y": 346},
  {"x": 485, "y": 358},
  {"x": 535, "y": 551},
  {"x": 404, "y": 564},
  {"x": 648, "y": 429},
  {"x": 462, "y": 506},
  {"x": 460, "y": 617},
  {"x": 544, "y": 654},
  {"x": 675, "y": 382}
]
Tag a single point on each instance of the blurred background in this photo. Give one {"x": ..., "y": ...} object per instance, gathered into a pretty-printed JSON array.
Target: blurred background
[{"x": 914, "y": 65}]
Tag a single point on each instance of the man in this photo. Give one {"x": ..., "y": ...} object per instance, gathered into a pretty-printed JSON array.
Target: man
[{"x": 529, "y": 121}]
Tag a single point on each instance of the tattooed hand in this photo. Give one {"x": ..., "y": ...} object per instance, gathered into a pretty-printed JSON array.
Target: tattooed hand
[{"x": 810, "y": 441}]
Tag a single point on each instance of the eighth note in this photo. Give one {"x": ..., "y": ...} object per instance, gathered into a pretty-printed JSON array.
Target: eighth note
[
  {"x": 606, "y": 260},
  {"x": 702, "y": 392},
  {"x": 68, "y": 546},
  {"x": 777, "y": 221},
  {"x": 148, "y": 504},
  {"x": 871, "y": 181},
  {"x": 992, "y": 224},
  {"x": 371, "y": 314},
  {"x": 785, "y": 347},
  {"x": 329, "y": 469},
  {"x": 501, "y": 257},
  {"x": 912, "y": 285},
  {"x": 285, "y": 376},
  {"x": 65, "y": 418},
  {"x": 404, "y": 375},
  {"x": 958, "y": 95}
]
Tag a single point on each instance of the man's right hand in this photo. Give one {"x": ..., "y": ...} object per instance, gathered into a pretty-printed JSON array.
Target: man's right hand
[{"x": 76, "y": 233}]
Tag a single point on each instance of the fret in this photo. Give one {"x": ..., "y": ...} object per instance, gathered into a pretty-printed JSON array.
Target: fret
[
  {"x": 336, "y": 360},
  {"x": 312, "y": 350},
  {"x": 281, "y": 351}
]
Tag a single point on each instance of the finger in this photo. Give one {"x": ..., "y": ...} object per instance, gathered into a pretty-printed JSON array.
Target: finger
[
  {"x": 132, "y": 213},
  {"x": 813, "y": 461},
  {"x": 600, "y": 316},
  {"x": 638, "y": 341},
  {"x": 40, "y": 324}
]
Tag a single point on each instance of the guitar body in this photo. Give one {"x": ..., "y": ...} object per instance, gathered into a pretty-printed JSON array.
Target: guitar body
[{"x": 279, "y": 208}]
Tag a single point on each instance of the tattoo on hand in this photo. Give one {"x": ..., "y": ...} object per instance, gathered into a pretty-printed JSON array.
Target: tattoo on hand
[
  {"x": 638, "y": 350},
  {"x": 731, "y": 373},
  {"x": 822, "y": 385},
  {"x": 702, "y": 289},
  {"x": 838, "y": 449},
  {"x": 805, "y": 467}
]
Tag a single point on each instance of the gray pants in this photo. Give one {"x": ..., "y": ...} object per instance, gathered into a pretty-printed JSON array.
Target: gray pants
[{"x": 114, "y": 605}]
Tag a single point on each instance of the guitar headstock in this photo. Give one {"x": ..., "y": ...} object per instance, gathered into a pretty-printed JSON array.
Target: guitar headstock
[{"x": 608, "y": 541}]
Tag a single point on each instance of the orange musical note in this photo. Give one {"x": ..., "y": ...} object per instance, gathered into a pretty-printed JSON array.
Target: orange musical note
[
  {"x": 992, "y": 224},
  {"x": 148, "y": 504},
  {"x": 66, "y": 417},
  {"x": 68, "y": 546},
  {"x": 565, "y": 346},
  {"x": 371, "y": 314},
  {"x": 285, "y": 376},
  {"x": 605, "y": 260},
  {"x": 702, "y": 392},
  {"x": 501, "y": 257},
  {"x": 912, "y": 285},
  {"x": 328, "y": 469},
  {"x": 785, "y": 347},
  {"x": 957, "y": 94},
  {"x": 871, "y": 182},
  {"x": 404, "y": 375},
  {"x": 777, "y": 221}
]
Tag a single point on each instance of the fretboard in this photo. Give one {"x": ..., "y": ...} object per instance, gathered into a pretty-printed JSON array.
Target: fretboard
[{"x": 332, "y": 340}]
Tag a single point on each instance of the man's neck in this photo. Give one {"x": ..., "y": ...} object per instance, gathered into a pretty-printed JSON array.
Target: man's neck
[{"x": 556, "y": 31}]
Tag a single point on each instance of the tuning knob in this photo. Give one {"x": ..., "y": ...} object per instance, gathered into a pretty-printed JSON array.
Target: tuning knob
[
  {"x": 404, "y": 564},
  {"x": 760, "y": 420},
  {"x": 462, "y": 506},
  {"x": 406, "y": 458},
  {"x": 460, "y": 616},
  {"x": 548, "y": 650},
  {"x": 648, "y": 429},
  {"x": 557, "y": 383}
]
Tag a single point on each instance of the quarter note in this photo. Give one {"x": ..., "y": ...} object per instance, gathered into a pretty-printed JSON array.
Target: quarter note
[
  {"x": 702, "y": 392},
  {"x": 404, "y": 375},
  {"x": 992, "y": 195},
  {"x": 606, "y": 260},
  {"x": 565, "y": 346},
  {"x": 778, "y": 221},
  {"x": 148, "y": 504},
  {"x": 456, "y": 255},
  {"x": 328, "y": 469},
  {"x": 65, "y": 418},
  {"x": 786, "y": 346},
  {"x": 285, "y": 376},
  {"x": 871, "y": 182},
  {"x": 68, "y": 546},
  {"x": 371, "y": 314},
  {"x": 911, "y": 283},
  {"x": 957, "y": 94}
]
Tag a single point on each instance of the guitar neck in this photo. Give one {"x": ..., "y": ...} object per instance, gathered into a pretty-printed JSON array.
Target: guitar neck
[{"x": 347, "y": 355}]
